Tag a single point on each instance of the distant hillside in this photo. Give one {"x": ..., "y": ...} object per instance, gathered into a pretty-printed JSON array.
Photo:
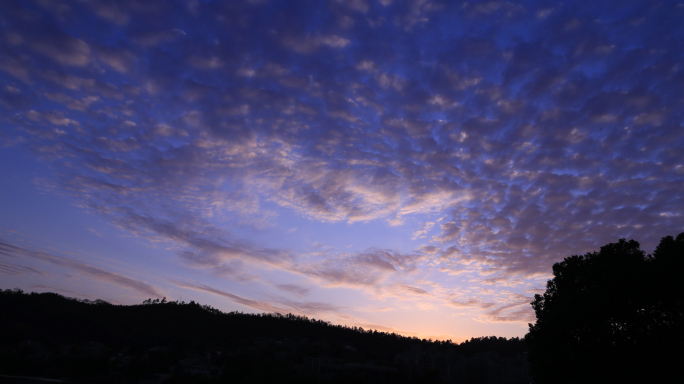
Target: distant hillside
[{"x": 48, "y": 335}]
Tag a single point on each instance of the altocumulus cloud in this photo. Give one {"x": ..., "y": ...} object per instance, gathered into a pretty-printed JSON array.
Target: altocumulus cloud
[{"x": 505, "y": 135}]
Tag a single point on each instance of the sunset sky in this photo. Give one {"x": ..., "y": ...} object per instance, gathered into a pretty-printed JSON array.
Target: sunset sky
[{"x": 408, "y": 166}]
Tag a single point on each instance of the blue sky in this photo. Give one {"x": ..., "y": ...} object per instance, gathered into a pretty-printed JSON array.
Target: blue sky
[{"x": 410, "y": 166}]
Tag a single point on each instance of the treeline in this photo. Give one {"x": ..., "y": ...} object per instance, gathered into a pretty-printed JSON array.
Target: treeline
[
  {"x": 55, "y": 321},
  {"x": 53, "y": 317}
]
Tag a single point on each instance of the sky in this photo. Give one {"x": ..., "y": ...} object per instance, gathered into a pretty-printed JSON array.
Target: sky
[{"x": 408, "y": 166}]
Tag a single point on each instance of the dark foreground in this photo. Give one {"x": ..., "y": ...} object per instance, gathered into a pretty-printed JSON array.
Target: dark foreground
[{"x": 47, "y": 338}]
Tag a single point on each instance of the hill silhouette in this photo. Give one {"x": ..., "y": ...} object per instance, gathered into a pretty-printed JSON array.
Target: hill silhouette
[{"x": 47, "y": 335}]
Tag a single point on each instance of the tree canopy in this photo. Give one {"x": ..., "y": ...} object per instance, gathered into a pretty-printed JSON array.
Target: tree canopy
[{"x": 616, "y": 315}]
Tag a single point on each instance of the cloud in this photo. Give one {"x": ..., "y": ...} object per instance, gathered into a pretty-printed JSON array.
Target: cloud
[
  {"x": 373, "y": 268},
  {"x": 16, "y": 68},
  {"x": 258, "y": 305},
  {"x": 111, "y": 12},
  {"x": 53, "y": 288},
  {"x": 18, "y": 270},
  {"x": 287, "y": 306},
  {"x": 415, "y": 290},
  {"x": 99, "y": 274},
  {"x": 519, "y": 311},
  {"x": 471, "y": 303},
  {"x": 484, "y": 151},
  {"x": 294, "y": 289},
  {"x": 82, "y": 105},
  {"x": 205, "y": 62},
  {"x": 337, "y": 275},
  {"x": 309, "y": 307},
  {"x": 120, "y": 60},
  {"x": 63, "y": 49},
  {"x": 308, "y": 44},
  {"x": 155, "y": 37}
]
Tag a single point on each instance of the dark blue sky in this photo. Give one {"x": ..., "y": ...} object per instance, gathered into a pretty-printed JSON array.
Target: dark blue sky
[{"x": 414, "y": 166}]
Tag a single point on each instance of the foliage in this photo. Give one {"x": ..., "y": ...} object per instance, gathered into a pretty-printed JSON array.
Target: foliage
[{"x": 611, "y": 316}]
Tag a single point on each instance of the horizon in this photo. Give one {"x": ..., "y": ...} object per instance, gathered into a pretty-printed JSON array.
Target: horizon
[
  {"x": 414, "y": 167},
  {"x": 285, "y": 316}
]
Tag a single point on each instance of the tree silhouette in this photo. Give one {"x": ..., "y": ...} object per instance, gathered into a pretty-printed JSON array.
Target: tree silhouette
[
  {"x": 50, "y": 336},
  {"x": 611, "y": 316}
]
